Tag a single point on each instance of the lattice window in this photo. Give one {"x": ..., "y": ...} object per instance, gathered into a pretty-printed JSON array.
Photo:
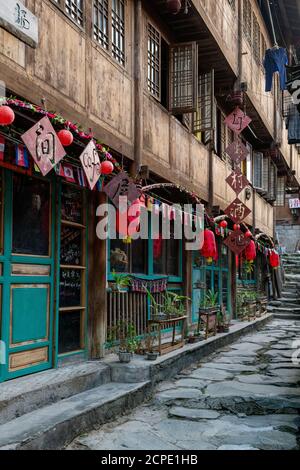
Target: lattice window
[
  {"x": 154, "y": 61},
  {"x": 183, "y": 78},
  {"x": 280, "y": 196},
  {"x": 247, "y": 20},
  {"x": 118, "y": 30},
  {"x": 256, "y": 40},
  {"x": 273, "y": 182},
  {"x": 101, "y": 28},
  {"x": 258, "y": 170},
  {"x": 265, "y": 176},
  {"x": 73, "y": 8},
  {"x": 203, "y": 118}
]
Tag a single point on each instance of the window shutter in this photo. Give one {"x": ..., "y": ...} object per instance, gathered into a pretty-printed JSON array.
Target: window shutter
[
  {"x": 257, "y": 170},
  {"x": 203, "y": 118},
  {"x": 183, "y": 78}
]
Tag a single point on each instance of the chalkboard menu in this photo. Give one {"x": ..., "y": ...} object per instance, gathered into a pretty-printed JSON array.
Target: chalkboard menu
[
  {"x": 70, "y": 246},
  {"x": 70, "y": 288},
  {"x": 71, "y": 204}
]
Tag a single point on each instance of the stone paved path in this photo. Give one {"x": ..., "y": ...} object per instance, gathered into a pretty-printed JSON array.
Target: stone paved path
[{"x": 246, "y": 396}]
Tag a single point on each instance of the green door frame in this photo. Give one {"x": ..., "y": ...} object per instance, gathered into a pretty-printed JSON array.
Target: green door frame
[{"x": 9, "y": 279}]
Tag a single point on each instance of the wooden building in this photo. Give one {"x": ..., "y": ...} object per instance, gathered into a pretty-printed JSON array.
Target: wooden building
[{"x": 155, "y": 88}]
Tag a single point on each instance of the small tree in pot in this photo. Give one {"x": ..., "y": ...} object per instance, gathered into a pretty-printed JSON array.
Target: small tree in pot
[
  {"x": 124, "y": 335},
  {"x": 150, "y": 339}
]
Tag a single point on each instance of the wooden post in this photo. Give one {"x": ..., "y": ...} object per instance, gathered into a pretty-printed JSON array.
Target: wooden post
[
  {"x": 232, "y": 265},
  {"x": 97, "y": 281},
  {"x": 138, "y": 87}
]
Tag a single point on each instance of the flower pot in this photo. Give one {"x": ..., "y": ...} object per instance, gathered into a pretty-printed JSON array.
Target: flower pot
[
  {"x": 195, "y": 339},
  {"x": 125, "y": 356},
  {"x": 152, "y": 356}
]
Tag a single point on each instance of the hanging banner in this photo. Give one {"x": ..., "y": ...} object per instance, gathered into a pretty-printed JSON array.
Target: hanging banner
[
  {"x": 44, "y": 145},
  {"x": 237, "y": 121},
  {"x": 237, "y": 242},
  {"x": 237, "y": 181},
  {"x": 237, "y": 211},
  {"x": 122, "y": 186},
  {"x": 91, "y": 165}
]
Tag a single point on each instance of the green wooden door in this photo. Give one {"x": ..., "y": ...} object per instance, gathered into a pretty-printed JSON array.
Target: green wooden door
[{"x": 26, "y": 273}]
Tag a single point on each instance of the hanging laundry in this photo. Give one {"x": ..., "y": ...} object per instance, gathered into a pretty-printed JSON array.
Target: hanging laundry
[
  {"x": 293, "y": 125},
  {"x": 276, "y": 60}
]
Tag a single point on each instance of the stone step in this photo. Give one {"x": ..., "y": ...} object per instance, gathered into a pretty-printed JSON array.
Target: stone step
[
  {"x": 287, "y": 316},
  {"x": 26, "y": 394},
  {"x": 283, "y": 310},
  {"x": 56, "y": 425}
]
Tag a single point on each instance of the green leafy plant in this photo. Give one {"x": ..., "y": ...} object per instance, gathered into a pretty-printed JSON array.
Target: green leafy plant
[
  {"x": 150, "y": 339},
  {"x": 123, "y": 334},
  {"x": 123, "y": 281},
  {"x": 249, "y": 267},
  {"x": 156, "y": 307},
  {"x": 210, "y": 299}
]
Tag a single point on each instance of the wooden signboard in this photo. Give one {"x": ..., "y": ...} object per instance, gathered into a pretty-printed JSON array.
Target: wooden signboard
[
  {"x": 237, "y": 181},
  {"x": 237, "y": 242},
  {"x": 237, "y": 211},
  {"x": 44, "y": 146},
  {"x": 91, "y": 164},
  {"x": 122, "y": 186},
  {"x": 237, "y": 151},
  {"x": 237, "y": 121},
  {"x": 19, "y": 21}
]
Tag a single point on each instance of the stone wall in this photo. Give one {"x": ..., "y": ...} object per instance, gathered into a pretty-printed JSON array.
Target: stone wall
[{"x": 289, "y": 236}]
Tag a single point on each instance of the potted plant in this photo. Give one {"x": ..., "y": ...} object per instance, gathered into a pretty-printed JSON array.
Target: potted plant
[
  {"x": 124, "y": 336},
  {"x": 223, "y": 320},
  {"x": 174, "y": 305},
  {"x": 156, "y": 308},
  {"x": 122, "y": 282},
  {"x": 150, "y": 339},
  {"x": 208, "y": 312}
]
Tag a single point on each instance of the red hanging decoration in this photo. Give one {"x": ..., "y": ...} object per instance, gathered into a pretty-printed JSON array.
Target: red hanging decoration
[
  {"x": 248, "y": 234},
  {"x": 66, "y": 137},
  {"x": 7, "y": 116},
  {"x": 107, "y": 168},
  {"x": 128, "y": 222},
  {"x": 174, "y": 6},
  {"x": 223, "y": 224},
  {"x": 250, "y": 252},
  {"x": 274, "y": 259},
  {"x": 236, "y": 227},
  {"x": 209, "y": 249}
]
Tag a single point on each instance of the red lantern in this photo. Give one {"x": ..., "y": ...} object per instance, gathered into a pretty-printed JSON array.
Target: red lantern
[
  {"x": 7, "y": 116},
  {"x": 66, "y": 137},
  {"x": 209, "y": 249},
  {"x": 107, "y": 167},
  {"x": 236, "y": 227},
  {"x": 250, "y": 252},
  {"x": 248, "y": 234},
  {"x": 128, "y": 222},
  {"x": 274, "y": 259},
  {"x": 174, "y": 6},
  {"x": 223, "y": 224}
]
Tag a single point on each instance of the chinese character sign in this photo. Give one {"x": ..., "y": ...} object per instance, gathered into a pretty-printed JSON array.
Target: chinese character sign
[
  {"x": 237, "y": 181},
  {"x": 44, "y": 146},
  {"x": 237, "y": 121},
  {"x": 122, "y": 186},
  {"x": 91, "y": 164},
  {"x": 237, "y": 211},
  {"x": 237, "y": 242}
]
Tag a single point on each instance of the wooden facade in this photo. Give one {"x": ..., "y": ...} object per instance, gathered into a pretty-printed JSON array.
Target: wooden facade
[{"x": 121, "y": 87}]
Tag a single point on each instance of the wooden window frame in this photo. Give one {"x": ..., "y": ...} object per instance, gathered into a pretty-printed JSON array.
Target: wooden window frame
[
  {"x": 247, "y": 20},
  {"x": 280, "y": 201},
  {"x": 151, "y": 59},
  {"x": 62, "y": 5},
  {"x": 256, "y": 42},
  {"x": 203, "y": 120},
  {"x": 116, "y": 27},
  {"x": 192, "y": 49},
  {"x": 255, "y": 155}
]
